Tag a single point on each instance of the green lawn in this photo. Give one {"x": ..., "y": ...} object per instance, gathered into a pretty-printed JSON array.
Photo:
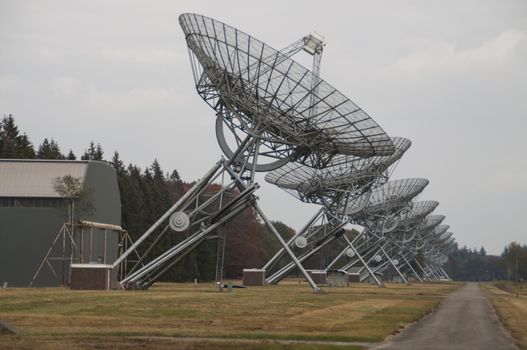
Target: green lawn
[
  {"x": 510, "y": 302},
  {"x": 256, "y": 317}
]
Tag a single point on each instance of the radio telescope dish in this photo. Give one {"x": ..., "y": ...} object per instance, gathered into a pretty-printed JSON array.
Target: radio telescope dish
[
  {"x": 445, "y": 236},
  {"x": 440, "y": 229},
  {"x": 260, "y": 92},
  {"x": 394, "y": 195},
  {"x": 419, "y": 210},
  {"x": 410, "y": 222},
  {"x": 431, "y": 221},
  {"x": 343, "y": 173}
]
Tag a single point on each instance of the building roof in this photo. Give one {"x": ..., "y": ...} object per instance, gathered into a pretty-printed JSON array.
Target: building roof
[{"x": 33, "y": 178}]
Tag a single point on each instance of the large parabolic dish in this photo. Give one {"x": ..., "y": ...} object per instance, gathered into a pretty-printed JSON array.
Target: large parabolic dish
[
  {"x": 411, "y": 220},
  {"x": 259, "y": 91},
  {"x": 431, "y": 221},
  {"x": 445, "y": 236},
  {"x": 389, "y": 202},
  {"x": 343, "y": 173},
  {"x": 394, "y": 195},
  {"x": 440, "y": 229}
]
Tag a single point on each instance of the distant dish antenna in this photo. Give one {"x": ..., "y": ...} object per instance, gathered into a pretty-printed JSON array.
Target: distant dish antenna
[
  {"x": 377, "y": 258},
  {"x": 395, "y": 262},
  {"x": 350, "y": 253}
]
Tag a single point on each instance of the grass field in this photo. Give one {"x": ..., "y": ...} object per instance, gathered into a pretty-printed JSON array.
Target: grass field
[
  {"x": 510, "y": 302},
  {"x": 199, "y": 317}
]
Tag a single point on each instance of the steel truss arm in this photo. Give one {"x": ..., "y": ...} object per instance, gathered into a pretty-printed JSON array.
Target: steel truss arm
[{"x": 284, "y": 271}]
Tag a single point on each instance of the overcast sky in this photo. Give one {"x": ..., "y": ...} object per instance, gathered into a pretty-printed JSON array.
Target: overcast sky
[{"x": 449, "y": 75}]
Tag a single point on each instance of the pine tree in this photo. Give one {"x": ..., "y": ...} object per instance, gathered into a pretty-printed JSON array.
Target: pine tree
[
  {"x": 12, "y": 144},
  {"x": 49, "y": 150},
  {"x": 25, "y": 148},
  {"x": 88, "y": 153},
  {"x": 98, "y": 152},
  {"x": 118, "y": 164},
  {"x": 135, "y": 213},
  {"x": 71, "y": 155},
  {"x": 157, "y": 172},
  {"x": 175, "y": 176},
  {"x": 8, "y": 136},
  {"x": 94, "y": 152}
]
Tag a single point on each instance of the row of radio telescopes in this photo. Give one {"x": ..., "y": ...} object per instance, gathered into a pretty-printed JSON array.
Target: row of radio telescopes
[{"x": 275, "y": 116}]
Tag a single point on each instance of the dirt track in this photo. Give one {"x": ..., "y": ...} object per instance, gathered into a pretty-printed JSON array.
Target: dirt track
[{"x": 464, "y": 320}]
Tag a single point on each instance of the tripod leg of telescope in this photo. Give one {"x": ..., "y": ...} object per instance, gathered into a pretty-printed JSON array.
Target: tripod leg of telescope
[
  {"x": 279, "y": 238},
  {"x": 374, "y": 269},
  {"x": 394, "y": 266},
  {"x": 437, "y": 272},
  {"x": 154, "y": 264},
  {"x": 316, "y": 246},
  {"x": 411, "y": 268},
  {"x": 334, "y": 261},
  {"x": 271, "y": 263},
  {"x": 430, "y": 272},
  {"x": 446, "y": 274},
  {"x": 364, "y": 252},
  {"x": 195, "y": 189},
  {"x": 139, "y": 262},
  {"x": 280, "y": 274},
  {"x": 374, "y": 251},
  {"x": 288, "y": 250},
  {"x": 441, "y": 271},
  {"x": 379, "y": 283},
  {"x": 193, "y": 240},
  {"x": 169, "y": 266},
  {"x": 420, "y": 268}
]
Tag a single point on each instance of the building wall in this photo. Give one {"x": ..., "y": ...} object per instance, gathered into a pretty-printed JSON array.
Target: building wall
[
  {"x": 102, "y": 179},
  {"x": 26, "y": 233}
]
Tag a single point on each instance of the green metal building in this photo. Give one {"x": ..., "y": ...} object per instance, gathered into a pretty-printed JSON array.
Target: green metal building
[{"x": 32, "y": 214}]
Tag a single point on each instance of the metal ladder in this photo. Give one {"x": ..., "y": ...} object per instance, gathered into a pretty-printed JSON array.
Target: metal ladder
[{"x": 220, "y": 256}]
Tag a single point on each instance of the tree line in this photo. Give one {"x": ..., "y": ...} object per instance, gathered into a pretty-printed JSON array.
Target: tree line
[
  {"x": 147, "y": 193},
  {"x": 472, "y": 265}
]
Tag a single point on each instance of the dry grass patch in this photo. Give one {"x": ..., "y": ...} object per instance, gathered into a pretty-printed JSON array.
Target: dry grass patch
[
  {"x": 287, "y": 311},
  {"x": 512, "y": 310}
]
